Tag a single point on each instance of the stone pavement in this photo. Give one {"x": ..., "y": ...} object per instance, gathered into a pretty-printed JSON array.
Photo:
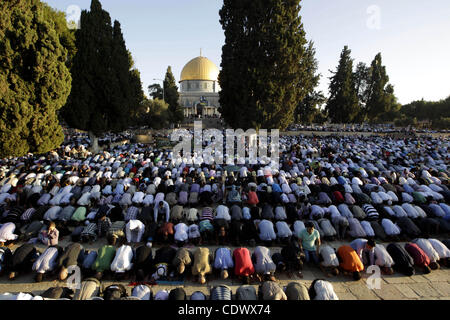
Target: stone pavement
[{"x": 435, "y": 286}]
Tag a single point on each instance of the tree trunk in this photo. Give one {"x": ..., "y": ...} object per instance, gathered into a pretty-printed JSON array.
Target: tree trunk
[{"x": 94, "y": 143}]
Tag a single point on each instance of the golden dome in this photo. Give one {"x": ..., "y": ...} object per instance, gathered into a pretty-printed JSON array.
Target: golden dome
[{"x": 200, "y": 68}]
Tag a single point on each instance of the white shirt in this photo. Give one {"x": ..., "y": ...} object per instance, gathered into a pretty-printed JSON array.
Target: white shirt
[
  {"x": 264, "y": 263},
  {"x": 389, "y": 227},
  {"x": 283, "y": 230},
  {"x": 410, "y": 210},
  {"x": 368, "y": 228},
  {"x": 138, "y": 197},
  {"x": 393, "y": 196},
  {"x": 84, "y": 200},
  {"x": 134, "y": 230},
  {"x": 324, "y": 291},
  {"x": 7, "y": 232},
  {"x": 280, "y": 213},
  {"x": 46, "y": 261},
  {"x": 148, "y": 200},
  {"x": 440, "y": 248},
  {"x": 122, "y": 260},
  {"x": 181, "y": 232},
  {"x": 194, "y": 231},
  {"x": 142, "y": 292},
  {"x": 399, "y": 212},
  {"x": 299, "y": 226},
  {"x": 426, "y": 246},
  {"x": 162, "y": 295},
  {"x": 266, "y": 231},
  {"x": 329, "y": 256},
  {"x": 222, "y": 212},
  {"x": 223, "y": 259},
  {"x": 52, "y": 213},
  {"x": 56, "y": 199},
  {"x": 382, "y": 257}
]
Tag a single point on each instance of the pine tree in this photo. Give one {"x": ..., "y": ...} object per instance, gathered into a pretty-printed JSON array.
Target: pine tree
[
  {"x": 342, "y": 106},
  {"x": 264, "y": 73},
  {"x": 172, "y": 97},
  {"x": 34, "y": 79}
]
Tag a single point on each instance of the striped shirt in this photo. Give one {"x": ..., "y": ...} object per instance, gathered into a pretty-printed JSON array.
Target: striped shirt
[
  {"x": 132, "y": 213},
  {"x": 370, "y": 211},
  {"x": 27, "y": 214},
  {"x": 207, "y": 214},
  {"x": 90, "y": 229},
  {"x": 221, "y": 293},
  {"x": 103, "y": 226}
]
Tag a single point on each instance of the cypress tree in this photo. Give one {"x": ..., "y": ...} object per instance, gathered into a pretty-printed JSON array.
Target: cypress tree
[
  {"x": 88, "y": 107},
  {"x": 121, "y": 96},
  {"x": 172, "y": 97},
  {"x": 34, "y": 79},
  {"x": 105, "y": 87},
  {"x": 342, "y": 106},
  {"x": 264, "y": 74},
  {"x": 380, "y": 94},
  {"x": 307, "y": 109}
]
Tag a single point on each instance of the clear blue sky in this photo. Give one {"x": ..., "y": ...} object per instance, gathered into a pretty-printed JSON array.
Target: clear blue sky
[{"x": 412, "y": 35}]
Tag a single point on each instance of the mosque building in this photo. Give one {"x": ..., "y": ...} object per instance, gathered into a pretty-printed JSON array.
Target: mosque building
[{"x": 199, "y": 89}]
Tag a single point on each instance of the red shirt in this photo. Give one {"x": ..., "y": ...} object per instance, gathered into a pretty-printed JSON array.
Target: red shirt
[
  {"x": 338, "y": 196},
  {"x": 420, "y": 257},
  {"x": 252, "y": 198},
  {"x": 243, "y": 262}
]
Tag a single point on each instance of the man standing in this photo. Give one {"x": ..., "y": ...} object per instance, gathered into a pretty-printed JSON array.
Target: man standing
[{"x": 309, "y": 240}]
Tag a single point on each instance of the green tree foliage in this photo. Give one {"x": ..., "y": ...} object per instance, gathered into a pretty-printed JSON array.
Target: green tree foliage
[
  {"x": 154, "y": 113},
  {"x": 435, "y": 111},
  {"x": 172, "y": 97},
  {"x": 264, "y": 70},
  {"x": 34, "y": 79},
  {"x": 308, "y": 109},
  {"x": 361, "y": 76},
  {"x": 106, "y": 89},
  {"x": 343, "y": 105},
  {"x": 381, "y": 101},
  {"x": 427, "y": 110},
  {"x": 156, "y": 91},
  {"x": 66, "y": 35}
]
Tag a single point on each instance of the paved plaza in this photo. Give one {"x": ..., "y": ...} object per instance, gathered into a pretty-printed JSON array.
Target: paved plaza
[{"x": 433, "y": 286}]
